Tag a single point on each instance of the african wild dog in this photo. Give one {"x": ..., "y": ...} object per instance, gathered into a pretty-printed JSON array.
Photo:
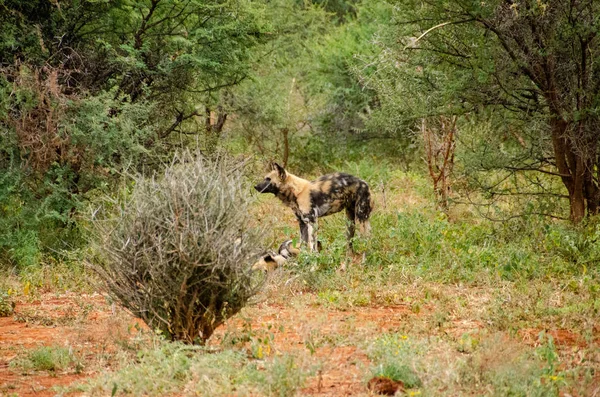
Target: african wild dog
[
  {"x": 271, "y": 261},
  {"x": 324, "y": 196}
]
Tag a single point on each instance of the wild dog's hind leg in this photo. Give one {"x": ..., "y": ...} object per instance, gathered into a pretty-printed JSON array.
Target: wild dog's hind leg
[
  {"x": 351, "y": 228},
  {"x": 364, "y": 206},
  {"x": 365, "y": 227}
]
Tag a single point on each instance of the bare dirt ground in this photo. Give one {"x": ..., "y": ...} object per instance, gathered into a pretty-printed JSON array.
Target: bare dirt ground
[
  {"x": 332, "y": 335},
  {"x": 95, "y": 330},
  {"x": 85, "y": 324},
  {"x": 89, "y": 326}
]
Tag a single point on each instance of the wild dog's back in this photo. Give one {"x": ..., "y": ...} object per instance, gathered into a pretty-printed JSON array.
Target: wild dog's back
[{"x": 332, "y": 193}]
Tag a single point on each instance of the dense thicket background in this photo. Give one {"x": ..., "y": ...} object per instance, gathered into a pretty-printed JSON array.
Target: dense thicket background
[{"x": 500, "y": 98}]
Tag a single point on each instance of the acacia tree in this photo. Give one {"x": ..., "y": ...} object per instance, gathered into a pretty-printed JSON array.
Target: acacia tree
[
  {"x": 439, "y": 139},
  {"x": 272, "y": 107},
  {"x": 305, "y": 94},
  {"x": 533, "y": 58}
]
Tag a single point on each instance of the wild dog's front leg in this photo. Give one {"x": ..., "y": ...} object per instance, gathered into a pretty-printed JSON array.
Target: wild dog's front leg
[
  {"x": 308, "y": 232},
  {"x": 303, "y": 230},
  {"x": 312, "y": 236}
]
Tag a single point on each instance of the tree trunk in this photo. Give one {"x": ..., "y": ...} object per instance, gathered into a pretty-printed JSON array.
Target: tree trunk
[
  {"x": 286, "y": 146},
  {"x": 577, "y": 198},
  {"x": 440, "y": 144},
  {"x": 214, "y": 127},
  {"x": 575, "y": 172},
  {"x": 577, "y": 206}
]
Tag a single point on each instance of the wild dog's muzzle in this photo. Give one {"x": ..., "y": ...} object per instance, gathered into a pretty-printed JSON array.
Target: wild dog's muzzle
[{"x": 266, "y": 187}]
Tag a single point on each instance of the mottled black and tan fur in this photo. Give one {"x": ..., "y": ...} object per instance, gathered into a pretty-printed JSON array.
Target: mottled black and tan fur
[
  {"x": 271, "y": 261},
  {"x": 324, "y": 196}
]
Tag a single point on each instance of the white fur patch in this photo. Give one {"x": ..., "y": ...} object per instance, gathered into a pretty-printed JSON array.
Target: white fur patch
[{"x": 311, "y": 242}]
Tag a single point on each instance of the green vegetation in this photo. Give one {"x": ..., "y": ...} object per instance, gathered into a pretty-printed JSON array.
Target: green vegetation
[
  {"x": 7, "y": 305},
  {"x": 497, "y": 369},
  {"x": 131, "y": 82},
  {"x": 174, "y": 367},
  {"x": 47, "y": 359}
]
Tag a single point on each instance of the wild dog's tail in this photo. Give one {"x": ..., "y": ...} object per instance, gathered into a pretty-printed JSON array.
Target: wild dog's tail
[{"x": 364, "y": 203}]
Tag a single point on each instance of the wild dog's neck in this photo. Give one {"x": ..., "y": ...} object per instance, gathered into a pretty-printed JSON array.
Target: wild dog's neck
[
  {"x": 295, "y": 183},
  {"x": 290, "y": 190}
]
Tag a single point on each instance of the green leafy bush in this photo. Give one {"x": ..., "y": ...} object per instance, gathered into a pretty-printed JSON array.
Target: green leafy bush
[
  {"x": 394, "y": 356},
  {"x": 7, "y": 306}
]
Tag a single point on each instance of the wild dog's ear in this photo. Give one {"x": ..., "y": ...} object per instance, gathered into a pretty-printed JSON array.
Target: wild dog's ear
[{"x": 280, "y": 170}]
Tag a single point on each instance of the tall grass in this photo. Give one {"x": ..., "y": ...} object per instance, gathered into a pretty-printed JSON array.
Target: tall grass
[{"x": 411, "y": 236}]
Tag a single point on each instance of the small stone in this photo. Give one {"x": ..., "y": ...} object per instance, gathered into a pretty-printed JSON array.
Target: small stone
[{"x": 384, "y": 386}]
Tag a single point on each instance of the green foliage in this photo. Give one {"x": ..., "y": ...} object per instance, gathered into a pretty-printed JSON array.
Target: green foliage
[
  {"x": 273, "y": 106},
  {"x": 19, "y": 222},
  {"x": 489, "y": 62},
  {"x": 174, "y": 48},
  {"x": 173, "y": 367},
  {"x": 7, "y": 305},
  {"x": 49, "y": 176},
  {"x": 306, "y": 106},
  {"x": 393, "y": 356},
  {"x": 495, "y": 367},
  {"x": 348, "y": 101},
  {"x": 343, "y": 9},
  {"x": 121, "y": 81},
  {"x": 47, "y": 358},
  {"x": 316, "y": 84},
  {"x": 66, "y": 272},
  {"x": 492, "y": 152}
]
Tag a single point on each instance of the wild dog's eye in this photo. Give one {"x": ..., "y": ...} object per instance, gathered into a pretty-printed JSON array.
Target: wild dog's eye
[{"x": 268, "y": 179}]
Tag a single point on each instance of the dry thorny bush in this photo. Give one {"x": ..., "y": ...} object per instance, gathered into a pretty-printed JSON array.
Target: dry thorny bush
[
  {"x": 38, "y": 105},
  {"x": 176, "y": 252}
]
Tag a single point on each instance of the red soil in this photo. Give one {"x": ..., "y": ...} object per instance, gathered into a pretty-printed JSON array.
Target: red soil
[
  {"x": 53, "y": 321},
  {"x": 330, "y": 337}
]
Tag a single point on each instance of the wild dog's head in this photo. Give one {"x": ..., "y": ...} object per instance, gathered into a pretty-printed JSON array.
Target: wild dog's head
[
  {"x": 287, "y": 249},
  {"x": 266, "y": 263},
  {"x": 269, "y": 262},
  {"x": 273, "y": 180}
]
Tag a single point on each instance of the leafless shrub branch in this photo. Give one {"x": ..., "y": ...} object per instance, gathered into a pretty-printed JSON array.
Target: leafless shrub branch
[{"x": 177, "y": 252}]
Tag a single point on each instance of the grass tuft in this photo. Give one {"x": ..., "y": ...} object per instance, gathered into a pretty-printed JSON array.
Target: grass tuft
[{"x": 47, "y": 358}]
